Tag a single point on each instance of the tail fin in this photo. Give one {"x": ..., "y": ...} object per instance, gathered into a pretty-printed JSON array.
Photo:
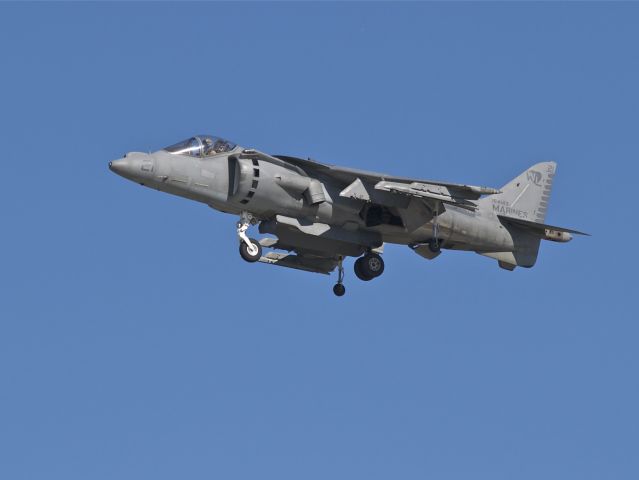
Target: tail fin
[{"x": 525, "y": 197}]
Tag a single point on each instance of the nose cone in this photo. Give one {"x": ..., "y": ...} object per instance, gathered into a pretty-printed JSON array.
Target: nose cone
[
  {"x": 134, "y": 166},
  {"x": 120, "y": 166}
]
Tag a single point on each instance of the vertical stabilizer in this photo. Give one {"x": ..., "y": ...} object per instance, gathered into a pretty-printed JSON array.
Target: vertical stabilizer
[{"x": 525, "y": 197}]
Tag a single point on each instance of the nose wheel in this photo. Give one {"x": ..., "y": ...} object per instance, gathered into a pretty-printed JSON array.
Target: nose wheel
[
  {"x": 251, "y": 252},
  {"x": 250, "y": 249}
]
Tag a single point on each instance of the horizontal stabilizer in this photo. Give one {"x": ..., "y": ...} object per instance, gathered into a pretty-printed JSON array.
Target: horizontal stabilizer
[{"x": 538, "y": 227}]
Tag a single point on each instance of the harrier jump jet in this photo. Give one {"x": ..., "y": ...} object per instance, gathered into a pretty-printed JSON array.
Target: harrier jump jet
[{"x": 319, "y": 214}]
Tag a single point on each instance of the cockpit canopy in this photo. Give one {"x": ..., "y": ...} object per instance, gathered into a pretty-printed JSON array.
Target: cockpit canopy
[{"x": 201, "y": 146}]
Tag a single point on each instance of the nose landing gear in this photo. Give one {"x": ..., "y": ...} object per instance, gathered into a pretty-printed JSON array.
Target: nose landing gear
[
  {"x": 250, "y": 249},
  {"x": 251, "y": 252}
]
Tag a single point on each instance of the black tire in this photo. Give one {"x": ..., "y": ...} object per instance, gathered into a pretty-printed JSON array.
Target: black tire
[
  {"x": 372, "y": 265},
  {"x": 245, "y": 254},
  {"x": 359, "y": 273},
  {"x": 435, "y": 246},
  {"x": 339, "y": 289}
]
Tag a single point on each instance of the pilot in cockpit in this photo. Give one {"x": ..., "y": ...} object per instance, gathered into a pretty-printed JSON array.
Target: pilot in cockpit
[
  {"x": 209, "y": 148},
  {"x": 220, "y": 146},
  {"x": 212, "y": 148}
]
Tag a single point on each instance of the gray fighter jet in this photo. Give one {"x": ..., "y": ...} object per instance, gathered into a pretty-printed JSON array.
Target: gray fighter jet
[{"x": 318, "y": 214}]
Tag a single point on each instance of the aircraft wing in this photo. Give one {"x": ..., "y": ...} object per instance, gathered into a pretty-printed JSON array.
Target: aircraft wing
[
  {"x": 429, "y": 192},
  {"x": 348, "y": 175},
  {"x": 363, "y": 185}
]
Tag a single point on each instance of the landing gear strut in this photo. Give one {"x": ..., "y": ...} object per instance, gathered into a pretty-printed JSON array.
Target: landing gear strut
[
  {"x": 250, "y": 249},
  {"x": 434, "y": 245},
  {"x": 369, "y": 266},
  {"x": 339, "y": 289}
]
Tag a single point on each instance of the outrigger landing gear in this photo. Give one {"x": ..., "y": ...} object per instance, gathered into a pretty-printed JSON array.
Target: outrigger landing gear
[
  {"x": 250, "y": 249},
  {"x": 434, "y": 245},
  {"x": 339, "y": 289}
]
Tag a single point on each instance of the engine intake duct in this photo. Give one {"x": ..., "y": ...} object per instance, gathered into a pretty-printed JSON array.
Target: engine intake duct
[{"x": 311, "y": 188}]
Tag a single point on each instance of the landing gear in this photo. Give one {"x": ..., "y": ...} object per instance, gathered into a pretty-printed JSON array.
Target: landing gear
[
  {"x": 339, "y": 289},
  {"x": 359, "y": 273},
  {"x": 250, "y": 249},
  {"x": 251, "y": 253},
  {"x": 369, "y": 266},
  {"x": 434, "y": 244}
]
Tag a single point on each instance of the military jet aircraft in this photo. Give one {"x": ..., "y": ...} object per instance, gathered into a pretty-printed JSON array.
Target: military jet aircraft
[{"x": 319, "y": 214}]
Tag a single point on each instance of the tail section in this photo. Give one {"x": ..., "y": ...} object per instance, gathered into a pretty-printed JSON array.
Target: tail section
[
  {"x": 523, "y": 199},
  {"x": 521, "y": 209},
  {"x": 526, "y": 197}
]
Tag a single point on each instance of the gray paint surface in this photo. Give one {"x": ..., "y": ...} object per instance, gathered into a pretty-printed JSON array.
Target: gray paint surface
[{"x": 322, "y": 213}]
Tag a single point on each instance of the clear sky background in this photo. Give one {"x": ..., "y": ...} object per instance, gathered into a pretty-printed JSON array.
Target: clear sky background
[{"x": 134, "y": 341}]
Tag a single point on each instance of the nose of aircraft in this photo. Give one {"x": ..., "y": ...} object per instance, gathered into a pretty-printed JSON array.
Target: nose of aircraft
[
  {"x": 134, "y": 166},
  {"x": 120, "y": 166}
]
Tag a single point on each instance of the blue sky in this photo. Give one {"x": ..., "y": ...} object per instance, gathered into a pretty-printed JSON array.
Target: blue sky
[{"x": 134, "y": 341}]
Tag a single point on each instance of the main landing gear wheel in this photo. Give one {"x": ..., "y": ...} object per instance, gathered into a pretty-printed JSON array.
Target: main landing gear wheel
[
  {"x": 251, "y": 253},
  {"x": 369, "y": 266},
  {"x": 359, "y": 273},
  {"x": 339, "y": 289}
]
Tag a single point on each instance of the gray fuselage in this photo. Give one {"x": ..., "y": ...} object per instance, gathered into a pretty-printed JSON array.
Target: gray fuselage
[{"x": 266, "y": 189}]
